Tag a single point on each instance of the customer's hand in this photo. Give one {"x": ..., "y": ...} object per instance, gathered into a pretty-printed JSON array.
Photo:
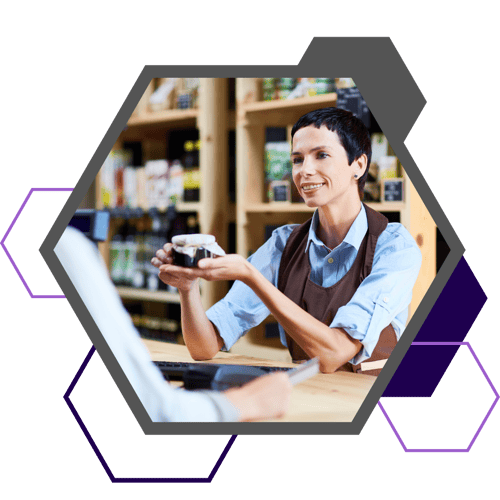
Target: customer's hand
[{"x": 262, "y": 398}]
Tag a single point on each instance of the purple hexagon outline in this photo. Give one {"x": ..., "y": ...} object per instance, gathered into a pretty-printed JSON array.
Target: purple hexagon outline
[
  {"x": 134, "y": 479},
  {"x": 2, "y": 243},
  {"x": 444, "y": 450},
  {"x": 82, "y": 368}
]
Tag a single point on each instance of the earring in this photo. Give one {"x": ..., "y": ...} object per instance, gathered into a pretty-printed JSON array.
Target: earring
[{"x": 356, "y": 176}]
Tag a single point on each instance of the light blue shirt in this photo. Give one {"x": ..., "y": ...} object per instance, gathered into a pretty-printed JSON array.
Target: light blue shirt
[{"x": 381, "y": 299}]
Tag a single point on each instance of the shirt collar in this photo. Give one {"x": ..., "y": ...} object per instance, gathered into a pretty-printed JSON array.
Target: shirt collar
[{"x": 354, "y": 236}]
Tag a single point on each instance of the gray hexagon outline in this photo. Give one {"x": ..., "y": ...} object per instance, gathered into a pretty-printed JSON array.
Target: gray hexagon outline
[{"x": 358, "y": 58}]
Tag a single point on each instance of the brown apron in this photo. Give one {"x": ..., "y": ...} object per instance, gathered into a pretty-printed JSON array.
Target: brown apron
[{"x": 323, "y": 303}]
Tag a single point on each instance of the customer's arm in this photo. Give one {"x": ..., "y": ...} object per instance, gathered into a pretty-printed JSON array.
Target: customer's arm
[{"x": 263, "y": 398}]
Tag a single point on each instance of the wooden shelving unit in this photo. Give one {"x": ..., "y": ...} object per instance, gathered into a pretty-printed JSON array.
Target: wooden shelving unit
[
  {"x": 251, "y": 212},
  {"x": 212, "y": 119},
  {"x": 279, "y": 207},
  {"x": 170, "y": 117}
]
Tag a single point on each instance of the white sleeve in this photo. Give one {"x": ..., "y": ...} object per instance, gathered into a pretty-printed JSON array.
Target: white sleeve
[{"x": 83, "y": 264}]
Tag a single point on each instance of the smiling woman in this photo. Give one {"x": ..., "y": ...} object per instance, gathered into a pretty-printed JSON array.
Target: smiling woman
[
  {"x": 325, "y": 179},
  {"x": 339, "y": 284}
]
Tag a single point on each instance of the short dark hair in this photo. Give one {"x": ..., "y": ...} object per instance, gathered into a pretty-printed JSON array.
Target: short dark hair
[{"x": 352, "y": 132}]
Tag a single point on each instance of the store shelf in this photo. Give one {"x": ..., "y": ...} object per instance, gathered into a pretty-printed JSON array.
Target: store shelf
[
  {"x": 303, "y": 208},
  {"x": 300, "y": 103},
  {"x": 170, "y": 117},
  {"x": 278, "y": 208},
  {"x": 281, "y": 113},
  {"x": 212, "y": 119},
  {"x": 183, "y": 207},
  {"x": 188, "y": 206},
  {"x": 388, "y": 206},
  {"x": 147, "y": 295}
]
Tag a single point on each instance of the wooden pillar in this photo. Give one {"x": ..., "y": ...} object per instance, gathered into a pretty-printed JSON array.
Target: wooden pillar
[
  {"x": 247, "y": 90},
  {"x": 213, "y": 213}
]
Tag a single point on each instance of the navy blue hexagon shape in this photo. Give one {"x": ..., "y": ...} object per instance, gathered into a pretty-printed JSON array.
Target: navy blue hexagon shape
[{"x": 394, "y": 99}]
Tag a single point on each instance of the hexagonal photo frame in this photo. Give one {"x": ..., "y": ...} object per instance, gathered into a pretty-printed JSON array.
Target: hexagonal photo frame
[{"x": 395, "y": 101}]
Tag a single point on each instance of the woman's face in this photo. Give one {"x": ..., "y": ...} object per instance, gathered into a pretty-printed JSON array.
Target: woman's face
[{"x": 321, "y": 169}]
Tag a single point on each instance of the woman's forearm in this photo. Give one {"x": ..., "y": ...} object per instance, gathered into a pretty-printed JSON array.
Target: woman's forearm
[
  {"x": 200, "y": 335},
  {"x": 333, "y": 346}
]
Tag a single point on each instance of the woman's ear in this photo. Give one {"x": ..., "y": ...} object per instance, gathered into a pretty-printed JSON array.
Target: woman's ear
[{"x": 360, "y": 166}]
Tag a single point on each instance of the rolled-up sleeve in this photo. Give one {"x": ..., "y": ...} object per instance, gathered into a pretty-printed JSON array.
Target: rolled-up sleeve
[{"x": 384, "y": 296}]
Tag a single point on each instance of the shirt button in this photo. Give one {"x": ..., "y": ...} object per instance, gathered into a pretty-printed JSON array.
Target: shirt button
[
  {"x": 386, "y": 299},
  {"x": 330, "y": 260}
]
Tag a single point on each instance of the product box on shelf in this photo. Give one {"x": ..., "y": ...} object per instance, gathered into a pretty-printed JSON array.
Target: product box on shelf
[
  {"x": 387, "y": 167},
  {"x": 278, "y": 171},
  {"x": 112, "y": 182},
  {"x": 164, "y": 96},
  {"x": 351, "y": 99},
  {"x": 292, "y": 88},
  {"x": 157, "y": 184},
  {"x": 393, "y": 189}
]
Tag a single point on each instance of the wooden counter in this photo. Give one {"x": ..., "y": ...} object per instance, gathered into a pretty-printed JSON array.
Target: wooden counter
[{"x": 333, "y": 397}]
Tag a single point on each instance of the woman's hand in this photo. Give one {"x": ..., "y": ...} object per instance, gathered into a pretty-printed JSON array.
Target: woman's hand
[
  {"x": 169, "y": 273},
  {"x": 228, "y": 268}
]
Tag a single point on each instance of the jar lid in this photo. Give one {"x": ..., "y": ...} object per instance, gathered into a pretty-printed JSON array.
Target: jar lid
[{"x": 193, "y": 239}]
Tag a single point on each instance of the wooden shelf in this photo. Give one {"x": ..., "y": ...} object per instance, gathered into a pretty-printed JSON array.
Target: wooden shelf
[
  {"x": 196, "y": 206},
  {"x": 303, "y": 208},
  {"x": 280, "y": 113},
  {"x": 278, "y": 208},
  {"x": 170, "y": 117},
  {"x": 188, "y": 206},
  {"x": 139, "y": 294},
  {"x": 388, "y": 206},
  {"x": 299, "y": 104}
]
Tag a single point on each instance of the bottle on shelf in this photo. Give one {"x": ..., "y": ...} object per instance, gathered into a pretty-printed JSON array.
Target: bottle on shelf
[
  {"x": 175, "y": 182},
  {"x": 160, "y": 238},
  {"x": 268, "y": 88},
  {"x": 130, "y": 253},
  {"x": 193, "y": 226},
  {"x": 139, "y": 276},
  {"x": 192, "y": 178},
  {"x": 150, "y": 242},
  {"x": 286, "y": 85},
  {"x": 117, "y": 258}
]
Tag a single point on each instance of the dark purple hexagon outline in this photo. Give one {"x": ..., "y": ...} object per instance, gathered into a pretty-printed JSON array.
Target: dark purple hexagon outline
[
  {"x": 82, "y": 368},
  {"x": 396, "y": 109},
  {"x": 134, "y": 479},
  {"x": 231, "y": 440},
  {"x": 441, "y": 450}
]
